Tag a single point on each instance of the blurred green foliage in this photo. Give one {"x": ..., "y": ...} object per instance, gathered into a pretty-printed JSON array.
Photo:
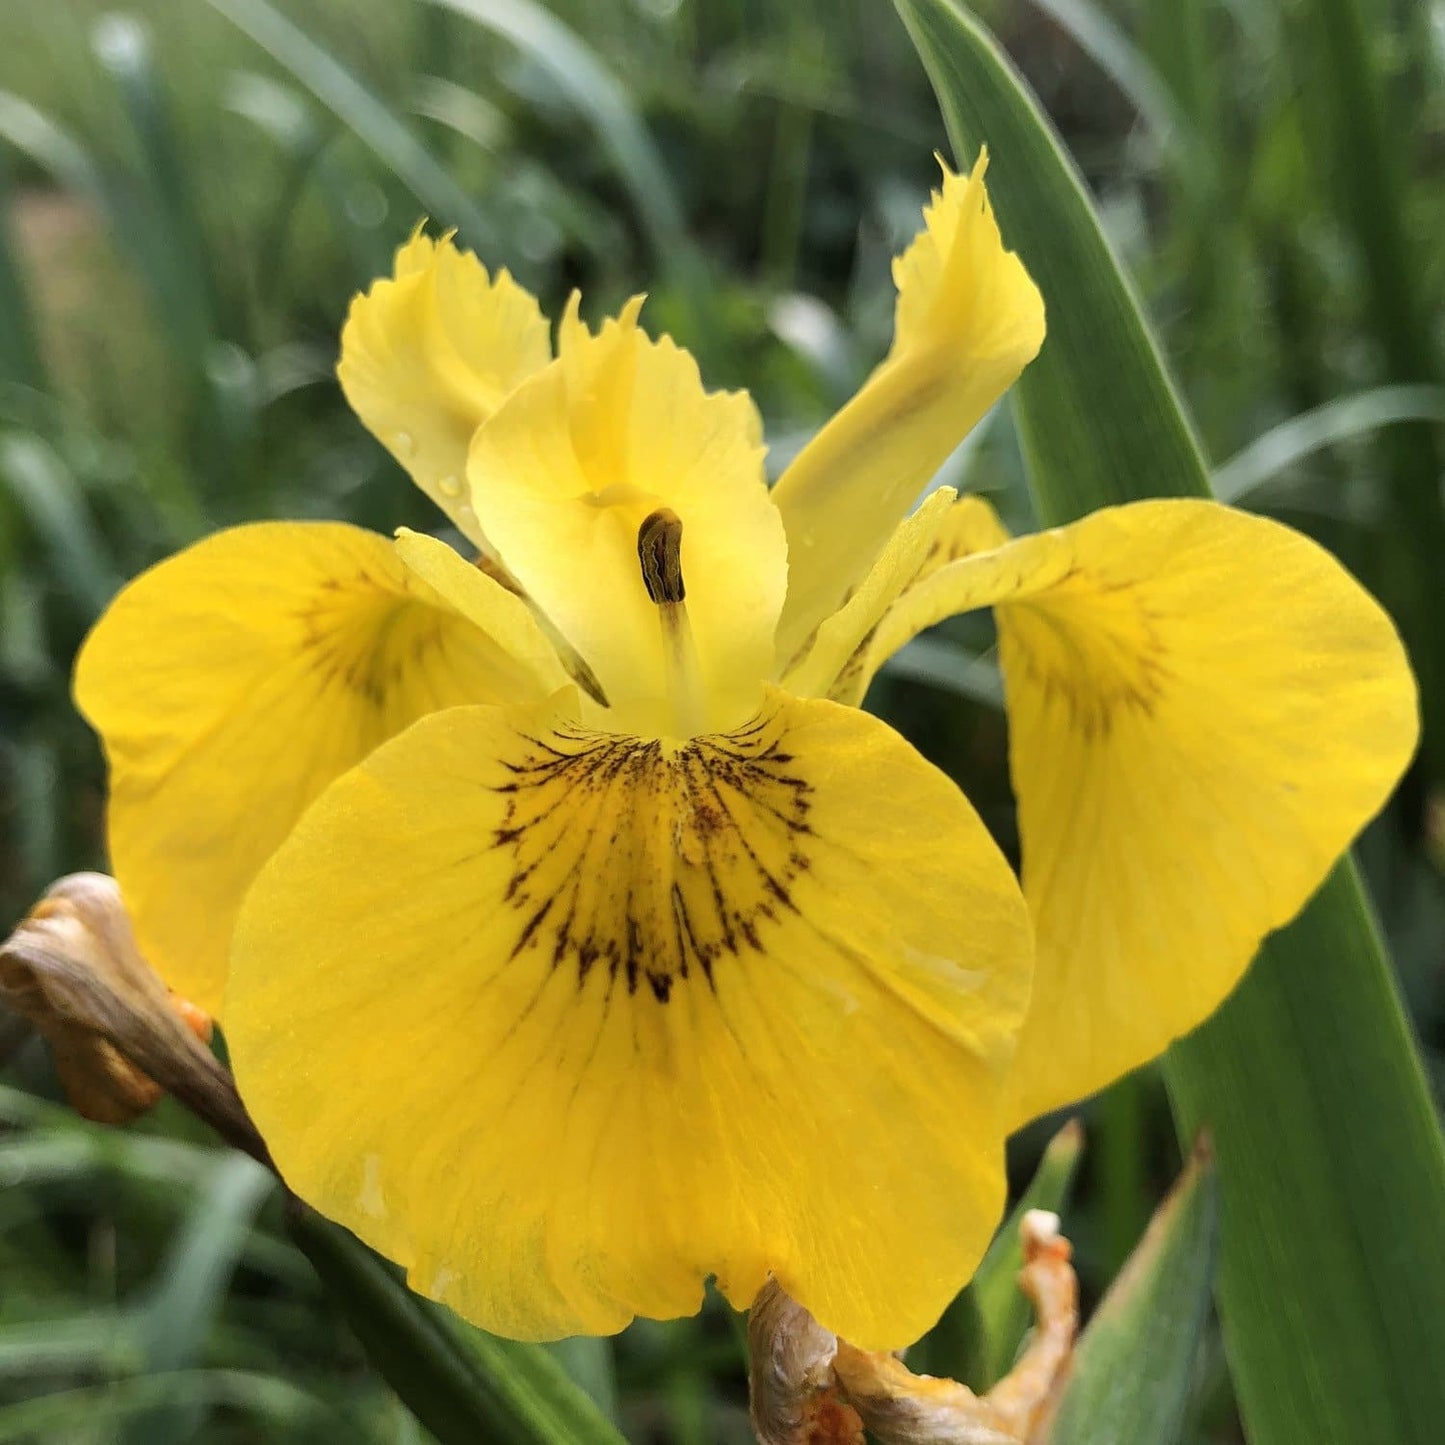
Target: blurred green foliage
[{"x": 190, "y": 194}]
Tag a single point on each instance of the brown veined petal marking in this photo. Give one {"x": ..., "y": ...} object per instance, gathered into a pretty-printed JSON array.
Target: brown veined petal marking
[{"x": 566, "y": 1022}]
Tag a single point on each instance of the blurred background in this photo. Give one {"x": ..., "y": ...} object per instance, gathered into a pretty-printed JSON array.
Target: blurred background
[{"x": 191, "y": 192}]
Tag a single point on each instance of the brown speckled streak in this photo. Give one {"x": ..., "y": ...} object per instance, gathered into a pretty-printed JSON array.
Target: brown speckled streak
[
  {"x": 353, "y": 643},
  {"x": 1092, "y": 695},
  {"x": 704, "y": 840}
]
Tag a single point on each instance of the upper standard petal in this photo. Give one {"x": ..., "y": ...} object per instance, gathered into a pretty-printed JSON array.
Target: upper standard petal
[
  {"x": 637, "y": 1012},
  {"x": 968, "y": 320},
  {"x": 429, "y": 353},
  {"x": 231, "y": 683},
  {"x": 616, "y": 430}
]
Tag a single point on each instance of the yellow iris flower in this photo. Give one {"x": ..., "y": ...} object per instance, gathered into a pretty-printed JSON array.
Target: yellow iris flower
[{"x": 575, "y": 934}]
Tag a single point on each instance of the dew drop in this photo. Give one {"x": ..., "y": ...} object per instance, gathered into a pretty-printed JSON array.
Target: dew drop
[
  {"x": 403, "y": 444},
  {"x": 450, "y": 486}
]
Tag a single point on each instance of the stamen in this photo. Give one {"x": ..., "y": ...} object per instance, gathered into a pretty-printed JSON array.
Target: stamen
[{"x": 659, "y": 550}]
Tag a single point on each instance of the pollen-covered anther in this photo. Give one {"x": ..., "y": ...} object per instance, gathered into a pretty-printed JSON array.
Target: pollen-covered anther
[{"x": 659, "y": 550}]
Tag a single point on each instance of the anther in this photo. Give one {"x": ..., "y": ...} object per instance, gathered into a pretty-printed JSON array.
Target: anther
[{"x": 659, "y": 550}]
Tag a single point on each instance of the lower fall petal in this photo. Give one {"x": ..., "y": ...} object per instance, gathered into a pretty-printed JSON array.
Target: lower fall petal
[
  {"x": 230, "y": 685},
  {"x": 1202, "y": 716},
  {"x": 1204, "y": 709},
  {"x": 630, "y": 1013}
]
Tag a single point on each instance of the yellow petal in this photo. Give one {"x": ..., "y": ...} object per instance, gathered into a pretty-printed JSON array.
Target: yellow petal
[
  {"x": 968, "y": 320},
  {"x": 905, "y": 606},
  {"x": 1204, "y": 709},
  {"x": 850, "y": 647},
  {"x": 530, "y": 667},
  {"x": 567, "y": 1021},
  {"x": 431, "y": 353},
  {"x": 1202, "y": 718},
  {"x": 968, "y": 567},
  {"x": 230, "y": 685},
  {"x": 580, "y": 455},
  {"x": 971, "y": 526},
  {"x": 833, "y": 665}
]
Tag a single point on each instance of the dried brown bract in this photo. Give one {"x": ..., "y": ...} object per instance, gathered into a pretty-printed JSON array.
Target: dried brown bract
[
  {"x": 806, "y": 1382},
  {"x": 120, "y": 1040}
]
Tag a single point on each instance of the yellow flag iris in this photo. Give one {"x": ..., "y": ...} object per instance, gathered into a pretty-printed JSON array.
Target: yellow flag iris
[{"x": 576, "y": 936}]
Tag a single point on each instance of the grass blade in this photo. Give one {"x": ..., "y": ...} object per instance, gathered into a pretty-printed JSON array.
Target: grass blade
[
  {"x": 47, "y": 495},
  {"x": 179, "y": 269},
  {"x": 1098, "y": 35},
  {"x": 65, "y": 1413},
  {"x": 1362, "y": 156},
  {"x": 980, "y": 1332},
  {"x": 1331, "y": 1164},
  {"x": 95, "y": 1343},
  {"x": 588, "y": 1362},
  {"x": 464, "y": 1386},
  {"x": 1003, "y": 1309},
  {"x": 600, "y": 98},
  {"x": 1343, "y": 419},
  {"x": 950, "y": 669},
  {"x": 174, "y": 1325},
  {"x": 20, "y": 360},
  {"x": 1133, "y": 1368},
  {"x": 282, "y": 115},
  {"x": 393, "y": 143},
  {"x": 51, "y": 147}
]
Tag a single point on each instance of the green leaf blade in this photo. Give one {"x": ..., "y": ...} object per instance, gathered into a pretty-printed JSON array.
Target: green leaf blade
[
  {"x": 1133, "y": 1367},
  {"x": 463, "y": 1385},
  {"x": 980, "y": 1333},
  {"x": 1003, "y": 1308},
  {"x": 391, "y": 141},
  {"x": 1335, "y": 1184}
]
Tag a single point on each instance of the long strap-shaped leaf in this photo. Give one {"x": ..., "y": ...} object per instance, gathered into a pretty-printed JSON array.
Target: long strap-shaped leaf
[
  {"x": 464, "y": 1386},
  {"x": 1131, "y": 1373},
  {"x": 1330, "y": 1158}
]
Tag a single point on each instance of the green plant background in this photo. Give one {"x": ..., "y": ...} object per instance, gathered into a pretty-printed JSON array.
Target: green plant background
[{"x": 190, "y": 192}]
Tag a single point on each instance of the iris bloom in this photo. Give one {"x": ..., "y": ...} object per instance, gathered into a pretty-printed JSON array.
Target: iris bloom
[{"x": 575, "y": 934}]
